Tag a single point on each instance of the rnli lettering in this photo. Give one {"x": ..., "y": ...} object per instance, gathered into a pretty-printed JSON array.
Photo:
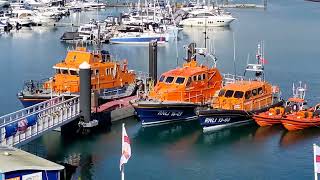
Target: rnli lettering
[
  {"x": 170, "y": 113},
  {"x": 217, "y": 120}
]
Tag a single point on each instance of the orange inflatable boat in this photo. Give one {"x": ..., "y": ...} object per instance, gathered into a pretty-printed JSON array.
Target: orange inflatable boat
[{"x": 275, "y": 115}]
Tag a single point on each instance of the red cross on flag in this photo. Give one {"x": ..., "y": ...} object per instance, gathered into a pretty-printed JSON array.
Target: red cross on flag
[{"x": 126, "y": 149}]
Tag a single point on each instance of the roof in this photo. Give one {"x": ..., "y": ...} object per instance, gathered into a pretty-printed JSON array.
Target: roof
[
  {"x": 245, "y": 85},
  {"x": 16, "y": 159},
  {"x": 298, "y": 100},
  {"x": 188, "y": 69},
  {"x": 185, "y": 71}
]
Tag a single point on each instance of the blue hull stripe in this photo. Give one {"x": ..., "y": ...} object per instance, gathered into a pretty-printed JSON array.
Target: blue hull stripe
[{"x": 164, "y": 115}]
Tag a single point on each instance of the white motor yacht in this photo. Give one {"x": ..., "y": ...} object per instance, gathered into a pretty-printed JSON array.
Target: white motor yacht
[
  {"x": 206, "y": 18},
  {"x": 4, "y": 3},
  {"x": 21, "y": 17}
]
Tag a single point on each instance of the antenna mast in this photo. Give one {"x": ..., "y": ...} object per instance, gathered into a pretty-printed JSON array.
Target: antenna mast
[{"x": 234, "y": 55}]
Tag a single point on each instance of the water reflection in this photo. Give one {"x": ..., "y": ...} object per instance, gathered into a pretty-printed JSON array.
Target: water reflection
[
  {"x": 264, "y": 133},
  {"x": 197, "y": 34},
  {"x": 169, "y": 133},
  {"x": 229, "y": 135},
  {"x": 291, "y": 138},
  {"x": 27, "y": 33}
]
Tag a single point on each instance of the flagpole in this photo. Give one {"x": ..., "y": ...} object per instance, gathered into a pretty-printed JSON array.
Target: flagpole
[
  {"x": 122, "y": 168},
  {"x": 314, "y": 162},
  {"x": 122, "y": 172}
]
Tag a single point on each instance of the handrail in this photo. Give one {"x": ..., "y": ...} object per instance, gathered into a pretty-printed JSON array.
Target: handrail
[
  {"x": 33, "y": 107},
  {"x": 35, "y": 111},
  {"x": 246, "y": 102},
  {"x": 186, "y": 95}
]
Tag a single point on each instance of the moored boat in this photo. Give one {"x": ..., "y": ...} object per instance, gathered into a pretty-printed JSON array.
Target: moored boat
[
  {"x": 302, "y": 119},
  {"x": 237, "y": 102},
  {"x": 293, "y": 104},
  {"x": 138, "y": 38},
  {"x": 178, "y": 93},
  {"x": 207, "y": 18},
  {"x": 109, "y": 78}
]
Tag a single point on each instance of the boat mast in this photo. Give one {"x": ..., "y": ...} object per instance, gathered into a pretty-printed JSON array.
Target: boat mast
[{"x": 234, "y": 55}]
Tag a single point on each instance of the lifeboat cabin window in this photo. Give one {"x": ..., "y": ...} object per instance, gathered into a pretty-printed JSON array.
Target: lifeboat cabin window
[
  {"x": 180, "y": 80},
  {"x": 188, "y": 82},
  {"x": 161, "y": 78},
  {"x": 229, "y": 93},
  {"x": 260, "y": 90},
  {"x": 169, "y": 79},
  {"x": 73, "y": 72},
  {"x": 58, "y": 71},
  {"x": 248, "y": 95},
  {"x": 221, "y": 93},
  {"x": 199, "y": 77},
  {"x": 96, "y": 71},
  {"x": 64, "y": 71},
  {"x": 238, "y": 94},
  {"x": 254, "y": 92},
  {"x": 194, "y": 78},
  {"x": 203, "y": 76},
  {"x": 107, "y": 71}
]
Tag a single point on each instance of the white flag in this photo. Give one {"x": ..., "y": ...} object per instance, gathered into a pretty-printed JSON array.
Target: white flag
[
  {"x": 126, "y": 149},
  {"x": 316, "y": 154}
]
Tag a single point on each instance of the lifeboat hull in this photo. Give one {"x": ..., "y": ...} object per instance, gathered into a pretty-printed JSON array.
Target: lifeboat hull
[
  {"x": 213, "y": 120},
  {"x": 264, "y": 119},
  {"x": 293, "y": 123},
  {"x": 157, "y": 113},
  {"x": 216, "y": 119},
  {"x": 30, "y": 102}
]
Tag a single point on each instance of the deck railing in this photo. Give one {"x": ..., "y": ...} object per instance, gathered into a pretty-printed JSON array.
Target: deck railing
[{"x": 29, "y": 123}]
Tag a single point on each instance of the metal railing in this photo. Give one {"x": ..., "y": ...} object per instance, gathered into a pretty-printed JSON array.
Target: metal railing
[
  {"x": 253, "y": 104},
  {"x": 29, "y": 123},
  {"x": 231, "y": 78},
  {"x": 196, "y": 96},
  {"x": 115, "y": 93}
]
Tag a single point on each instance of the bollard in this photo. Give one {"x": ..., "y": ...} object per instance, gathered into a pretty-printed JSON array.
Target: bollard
[
  {"x": 153, "y": 60},
  {"x": 85, "y": 91}
]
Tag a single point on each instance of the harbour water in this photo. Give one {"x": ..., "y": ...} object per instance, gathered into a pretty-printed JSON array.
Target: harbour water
[{"x": 289, "y": 29}]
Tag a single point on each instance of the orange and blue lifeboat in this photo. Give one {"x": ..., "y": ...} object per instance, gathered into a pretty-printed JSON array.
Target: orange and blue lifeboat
[
  {"x": 107, "y": 77},
  {"x": 178, "y": 93}
]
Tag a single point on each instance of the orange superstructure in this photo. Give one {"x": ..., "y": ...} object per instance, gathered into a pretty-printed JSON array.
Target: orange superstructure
[
  {"x": 245, "y": 95},
  {"x": 108, "y": 78},
  {"x": 191, "y": 83},
  {"x": 105, "y": 73}
]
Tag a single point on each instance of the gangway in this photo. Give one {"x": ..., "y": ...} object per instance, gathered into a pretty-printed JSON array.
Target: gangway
[{"x": 27, "y": 124}]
